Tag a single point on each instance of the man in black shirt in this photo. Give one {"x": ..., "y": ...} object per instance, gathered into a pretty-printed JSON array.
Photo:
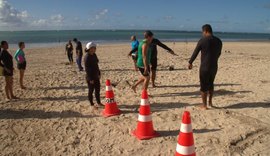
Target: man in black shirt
[
  {"x": 154, "y": 53},
  {"x": 210, "y": 47},
  {"x": 79, "y": 53}
]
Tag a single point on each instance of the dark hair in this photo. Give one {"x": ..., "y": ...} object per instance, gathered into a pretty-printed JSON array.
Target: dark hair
[
  {"x": 3, "y": 43},
  {"x": 20, "y": 44},
  {"x": 148, "y": 33},
  {"x": 207, "y": 28},
  {"x": 86, "y": 50},
  {"x": 75, "y": 40}
]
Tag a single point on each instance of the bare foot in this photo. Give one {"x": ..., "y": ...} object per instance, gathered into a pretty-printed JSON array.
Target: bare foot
[
  {"x": 210, "y": 104},
  {"x": 134, "y": 89},
  {"x": 203, "y": 107}
]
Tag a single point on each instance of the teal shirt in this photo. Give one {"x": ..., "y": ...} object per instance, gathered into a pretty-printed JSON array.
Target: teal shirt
[
  {"x": 19, "y": 53},
  {"x": 140, "y": 63}
]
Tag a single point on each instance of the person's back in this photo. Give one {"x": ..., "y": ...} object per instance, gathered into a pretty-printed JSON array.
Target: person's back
[
  {"x": 135, "y": 44},
  {"x": 79, "y": 48},
  {"x": 140, "y": 55},
  {"x": 210, "y": 51}
]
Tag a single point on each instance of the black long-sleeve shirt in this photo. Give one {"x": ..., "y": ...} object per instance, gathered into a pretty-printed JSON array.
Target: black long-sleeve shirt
[
  {"x": 91, "y": 67},
  {"x": 6, "y": 59},
  {"x": 153, "y": 47},
  {"x": 210, "y": 48},
  {"x": 79, "y": 50}
]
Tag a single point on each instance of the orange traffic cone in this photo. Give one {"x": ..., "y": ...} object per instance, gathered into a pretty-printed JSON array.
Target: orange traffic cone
[
  {"x": 185, "y": 146},
  {"x": 145, "y": 128},
  {"x": 111, "y": 108}
]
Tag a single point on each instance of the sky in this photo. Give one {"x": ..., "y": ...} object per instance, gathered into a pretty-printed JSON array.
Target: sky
[{"x": 183, "y": 15}]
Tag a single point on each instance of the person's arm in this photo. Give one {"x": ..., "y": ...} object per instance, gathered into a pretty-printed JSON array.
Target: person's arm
[
  {"x": 88, "y": 68},
  {"x": 144, "y": 54},
  {"x": 132, "y": 51},
  {"x": 195, "y": 54},
  {"x": 157, "y": 42}
]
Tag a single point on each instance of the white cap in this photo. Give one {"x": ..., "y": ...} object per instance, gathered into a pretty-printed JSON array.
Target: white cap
[{"x": 90, "y": 45}]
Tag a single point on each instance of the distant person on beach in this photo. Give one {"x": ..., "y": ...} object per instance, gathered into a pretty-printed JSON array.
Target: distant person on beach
[
  {"x": 79, "y": 53},
  {"x": 92, "y": 74},
  {"x": 210, "y": 47},
  {"x": 69, "y": 51},
  {"x": 7, "y": 62},
  {"x": 144, "y": 60},
  {"x": 153, "y": 46},
  {"x": 21, "y": 62},
  {"x": 134, "y": 45}
]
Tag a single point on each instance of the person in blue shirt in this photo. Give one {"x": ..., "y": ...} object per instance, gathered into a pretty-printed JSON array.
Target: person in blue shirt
[
  {"x": 134, "y": 45},
  {"x": 21, "y": 62}
]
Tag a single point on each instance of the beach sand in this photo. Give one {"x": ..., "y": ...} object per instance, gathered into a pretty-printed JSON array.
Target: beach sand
[{"x": 53, "y": 116}]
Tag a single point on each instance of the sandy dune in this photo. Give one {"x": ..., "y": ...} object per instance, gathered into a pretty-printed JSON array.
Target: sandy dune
[{"x": 53, "y": 116}]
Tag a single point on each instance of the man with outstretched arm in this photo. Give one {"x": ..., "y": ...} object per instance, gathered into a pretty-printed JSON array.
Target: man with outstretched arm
[{"x": 210, "y": 48}]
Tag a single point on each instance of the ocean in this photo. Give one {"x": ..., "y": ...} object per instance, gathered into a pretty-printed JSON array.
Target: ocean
[{"x": 39, "y": 38}]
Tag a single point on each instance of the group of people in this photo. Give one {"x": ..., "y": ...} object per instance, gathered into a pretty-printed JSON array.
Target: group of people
[
  {"x": 6, "y": 64},
  {"x": 144, "y": 55},
  {"x": 79, "y": 52}
]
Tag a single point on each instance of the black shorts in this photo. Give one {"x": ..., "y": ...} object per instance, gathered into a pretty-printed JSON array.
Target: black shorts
[
  {"x": 142, "y": 71},
  {"x": 21, "y": 66},
  {"x": 7, "y": 73},
  {"x": 207, "y": 79},
  {"x": 154, "y": 64},
  {"x": 134, "y": 56}
]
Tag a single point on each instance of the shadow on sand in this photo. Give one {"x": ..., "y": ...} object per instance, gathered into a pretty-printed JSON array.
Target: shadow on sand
[
  {"x": 248, "y": 105},
  {"x": 197, "y": 86},
  {"x": 221, "y": 92},
  {"x": 39, "y": 114},
  {"x": 175, "y": 133}
]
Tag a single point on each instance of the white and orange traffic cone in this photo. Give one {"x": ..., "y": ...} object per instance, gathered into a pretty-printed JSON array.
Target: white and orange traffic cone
[
  {"x": 145, "y": 129},
  {"x": 185, "y": 146},
  {"x": 111, "y": 108}
]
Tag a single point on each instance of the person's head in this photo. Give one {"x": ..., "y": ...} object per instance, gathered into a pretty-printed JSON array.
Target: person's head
[
  {"x": 75, "y": 40},
  {"x": 4, "y": 45},
  {"x": 148, "y": 35},
  {"x": 69, "y": 41},
  {"x": 21, "y": 45},
  {"x": 207, "y": 30},
  {"x": 133, "y": 38},
  {"x": 91, "y": 48}
]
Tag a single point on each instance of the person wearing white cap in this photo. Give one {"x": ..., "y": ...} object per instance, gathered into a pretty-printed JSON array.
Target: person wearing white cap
[{"x": 92, "y": 74}]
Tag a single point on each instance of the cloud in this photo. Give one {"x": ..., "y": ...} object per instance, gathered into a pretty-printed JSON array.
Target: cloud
[
  {"x": 57, "y": 19},
  {"x": 101, "y": 14},
  {"x": 52, "y": 21},
  {"x": 11, "y": 16},
  {"x": 168, "y": 18},
  {"x": 266, "y": 6}
]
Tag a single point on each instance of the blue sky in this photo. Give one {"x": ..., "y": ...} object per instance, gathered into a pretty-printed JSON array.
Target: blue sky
[{"x": 227, "y": 16}]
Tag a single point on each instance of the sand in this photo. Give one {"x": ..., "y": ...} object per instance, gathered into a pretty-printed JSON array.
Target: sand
[{"x": 53, "y": 116}]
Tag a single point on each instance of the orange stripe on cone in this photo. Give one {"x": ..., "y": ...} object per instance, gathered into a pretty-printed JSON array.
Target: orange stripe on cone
[
  {"x": 145, "y": 129},
  {"x": 185, "y": 145},
  {"x": 111, "y": 108}
]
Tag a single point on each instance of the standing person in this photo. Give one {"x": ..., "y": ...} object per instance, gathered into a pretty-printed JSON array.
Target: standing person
[
  {"x": 21, "y": 62},
  {"x": 210, "y": 47},
  {"x": 134, "y": 45},
  {"x": 79, "y": 53},
  {"x": 69, "y": 51},
  {"x": 153, "y": 46},
  {"x": 143, "y": 62},
  {"x": 92, "y": 74},
  {"x": 7, "y": 62}
]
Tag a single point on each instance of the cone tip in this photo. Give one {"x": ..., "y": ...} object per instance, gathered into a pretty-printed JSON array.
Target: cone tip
[
  {"x": 186, "y": 117},
  {"x": 144, "y": 94},
  {"x": 108, "y": 82}
]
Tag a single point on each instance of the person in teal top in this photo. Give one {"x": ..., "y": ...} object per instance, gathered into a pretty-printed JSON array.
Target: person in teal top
[
  {"x": 134, "y": 45},
  {"x": 21, "y": 62},
  {"x": 143, "y": 61}
]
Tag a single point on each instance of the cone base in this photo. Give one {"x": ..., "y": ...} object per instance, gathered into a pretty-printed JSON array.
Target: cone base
[
  {"x": 140, "y": 137},
  {"x": 109, "y": 115}
]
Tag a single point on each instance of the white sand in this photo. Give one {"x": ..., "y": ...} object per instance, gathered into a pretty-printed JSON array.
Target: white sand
[{"x": 53, "y": 115}]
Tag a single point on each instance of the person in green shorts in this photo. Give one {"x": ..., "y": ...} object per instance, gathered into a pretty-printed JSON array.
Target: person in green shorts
[
  {"x": 143, "y": 61},
  {"x": 21, "y": 62}
]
